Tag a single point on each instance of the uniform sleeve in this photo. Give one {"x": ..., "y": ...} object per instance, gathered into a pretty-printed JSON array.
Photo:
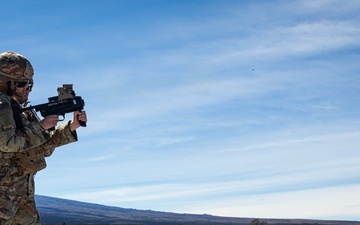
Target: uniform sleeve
[
  {"x": 13, "y": 139},
  {"x": 61, "y": 136}
]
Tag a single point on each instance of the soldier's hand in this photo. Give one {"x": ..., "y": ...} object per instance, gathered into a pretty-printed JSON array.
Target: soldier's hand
[
  {"x": 78, "y": 116},
  {"x": 49, "y": 121}
]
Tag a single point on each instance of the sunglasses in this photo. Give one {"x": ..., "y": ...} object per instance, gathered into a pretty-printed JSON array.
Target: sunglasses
[{"x": 21, "y": 84}]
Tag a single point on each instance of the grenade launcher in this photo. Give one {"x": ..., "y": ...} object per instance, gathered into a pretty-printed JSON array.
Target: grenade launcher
[{"x": 65, "y": 102}]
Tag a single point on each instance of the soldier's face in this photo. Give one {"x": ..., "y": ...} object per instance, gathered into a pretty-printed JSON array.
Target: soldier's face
[{"x": 22, "y": 93}]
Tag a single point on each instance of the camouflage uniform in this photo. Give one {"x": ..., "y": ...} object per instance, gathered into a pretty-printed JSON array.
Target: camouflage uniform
[{"x": 22, "y": 154}]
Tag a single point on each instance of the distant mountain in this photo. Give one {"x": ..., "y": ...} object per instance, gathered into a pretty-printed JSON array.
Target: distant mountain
[{"x": 61, "y": 211}]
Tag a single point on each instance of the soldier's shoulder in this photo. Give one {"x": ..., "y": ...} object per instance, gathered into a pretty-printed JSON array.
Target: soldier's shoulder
[
  {"x": 4, "y": 100},
  {"x": 3, "y": 95}
]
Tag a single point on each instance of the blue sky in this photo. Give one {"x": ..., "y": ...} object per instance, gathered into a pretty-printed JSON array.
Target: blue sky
[{"x": 230, "y": 108}]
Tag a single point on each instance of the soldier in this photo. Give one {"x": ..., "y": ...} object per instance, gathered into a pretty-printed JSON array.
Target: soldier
[{"x": 25, "y": 144}]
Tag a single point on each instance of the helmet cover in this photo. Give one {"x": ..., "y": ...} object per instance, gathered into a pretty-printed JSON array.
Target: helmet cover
[{"x": 15, "y": 67}]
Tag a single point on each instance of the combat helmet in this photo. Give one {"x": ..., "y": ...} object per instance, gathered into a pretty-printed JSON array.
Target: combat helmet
[{"x": 13, "y": 68}]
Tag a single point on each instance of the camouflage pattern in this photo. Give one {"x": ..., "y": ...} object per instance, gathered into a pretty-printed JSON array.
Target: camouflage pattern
[
  {"x": 15, "y": 140},
  {"x": 26, "y": 213},
  {"x": 15, "y": 66},
  {"x": 22, "y": 154}
]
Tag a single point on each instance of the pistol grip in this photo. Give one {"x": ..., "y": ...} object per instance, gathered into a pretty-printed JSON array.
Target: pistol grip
[{"x": 82, "y": 123}]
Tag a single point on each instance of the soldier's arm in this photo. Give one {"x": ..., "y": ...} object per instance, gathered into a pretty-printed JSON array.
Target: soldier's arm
[
  {"x": 61, "y": 136},
  {"x": 13, "y": 139}
]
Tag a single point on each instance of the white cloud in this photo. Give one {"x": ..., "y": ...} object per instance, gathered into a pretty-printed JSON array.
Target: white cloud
[{"x": 331, "y": 203}]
